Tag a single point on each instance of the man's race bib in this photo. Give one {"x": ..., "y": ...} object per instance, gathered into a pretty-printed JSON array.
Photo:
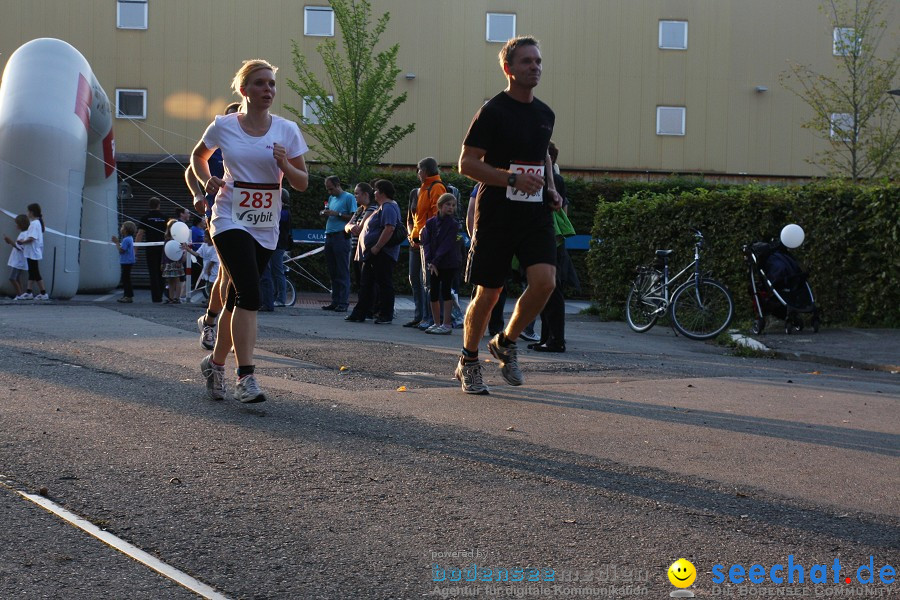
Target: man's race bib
[
  {"x": 254, "y": 204},
  {"x": 520, "y": 196}
]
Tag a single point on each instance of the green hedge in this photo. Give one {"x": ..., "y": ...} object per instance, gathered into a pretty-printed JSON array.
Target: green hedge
[{"x": 850, "y": 249}]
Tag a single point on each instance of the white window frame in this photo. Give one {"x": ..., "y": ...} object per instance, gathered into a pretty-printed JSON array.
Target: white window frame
[
  {"x": 842, "y": 40},
  {"x": 487, "y": 27},
  {"x": 661, "y": 110},
  {"x": 142, "y": 93},
  {"x": 130, "y": 4},
  {"x": 307, "y": 10},
  {"x": 308, "y": 115},
  {"x": 666, "y": 22},
  {"x": 844, "y": 123}
]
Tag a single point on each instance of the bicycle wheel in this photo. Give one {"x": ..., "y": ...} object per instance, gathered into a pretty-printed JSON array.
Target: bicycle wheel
[
  {"x": 644, "y": 301},
  {"x": 290, "y": 293},
  {"x": 701, "y": 310}
]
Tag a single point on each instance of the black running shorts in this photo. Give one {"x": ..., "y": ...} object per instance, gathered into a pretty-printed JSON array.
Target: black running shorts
[{"x": 493, "y": 248}]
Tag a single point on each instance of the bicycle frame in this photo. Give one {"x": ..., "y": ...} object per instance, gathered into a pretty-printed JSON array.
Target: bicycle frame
[{"x": 668, "y": 283}]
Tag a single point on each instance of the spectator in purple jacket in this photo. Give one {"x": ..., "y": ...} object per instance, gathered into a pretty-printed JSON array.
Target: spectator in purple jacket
[{"x": 442, "y": 259}]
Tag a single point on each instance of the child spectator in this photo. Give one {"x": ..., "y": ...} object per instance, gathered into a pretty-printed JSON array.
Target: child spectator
[
  {"x": 442, "y": 259},
  {"x": 17, "y": 263},
  {"x": 172, "y": 270},
  {"x": 33, "y": 246},
  {"x": 126, "y": 259},
  {"x": 208, "y": 258}
]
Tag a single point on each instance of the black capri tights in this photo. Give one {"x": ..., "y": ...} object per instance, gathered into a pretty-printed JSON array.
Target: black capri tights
[
  {"x": 441, "y": 285},
  {"x": 34, "y": 271},
  {"x": 244, "y": 260}
]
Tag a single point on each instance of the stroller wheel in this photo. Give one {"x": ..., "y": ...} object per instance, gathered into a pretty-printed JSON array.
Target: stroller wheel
[
  {"x": 793, "y": 323},
  {"x": 758, "y": 326},
  {"x": 815, "y": 324}
]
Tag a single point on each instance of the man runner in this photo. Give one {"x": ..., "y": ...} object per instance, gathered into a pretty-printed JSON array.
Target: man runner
[{"x": 505, "y": 150}]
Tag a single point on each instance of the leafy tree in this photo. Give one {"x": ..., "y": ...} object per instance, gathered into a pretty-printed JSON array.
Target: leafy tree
[
  {"x": 353, "y": 132},
  {"x": 852, "y": 111}
]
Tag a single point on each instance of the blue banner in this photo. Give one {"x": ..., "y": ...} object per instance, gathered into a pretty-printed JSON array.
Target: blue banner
[{"x": 317, "y": 236}]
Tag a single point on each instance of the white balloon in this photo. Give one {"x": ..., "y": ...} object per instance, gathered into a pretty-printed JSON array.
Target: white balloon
[
  {"x": 173, "y": 249},
  {"x": 181, "y": 232},
  {"x": 792, "y": 235}
]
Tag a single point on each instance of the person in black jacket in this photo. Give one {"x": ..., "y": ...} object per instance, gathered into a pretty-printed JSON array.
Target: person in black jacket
[{"x": 152, "y": 228}]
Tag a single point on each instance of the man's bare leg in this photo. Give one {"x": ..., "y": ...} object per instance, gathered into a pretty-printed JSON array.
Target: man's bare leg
[
  {"x": 541, "y": 283},
  {"x": 477, "y": 316}
]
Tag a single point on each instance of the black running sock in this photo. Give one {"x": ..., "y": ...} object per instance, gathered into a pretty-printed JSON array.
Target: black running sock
[
  {"x": 469, "y": 356},
  {"x": 503, "y": 340},
  {"x": 248, "y": 370},
  {"x": 210, "y": 316}
]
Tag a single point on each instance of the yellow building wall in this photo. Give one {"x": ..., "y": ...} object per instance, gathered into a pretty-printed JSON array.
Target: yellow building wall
[{"x": 604, "y": 75}]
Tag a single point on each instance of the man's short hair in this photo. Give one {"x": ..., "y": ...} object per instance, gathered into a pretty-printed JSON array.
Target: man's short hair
[
  {"x": 429, "y": 165},
  {"x": 511, "y": 45},
  {"x": 153, "y": 203},
  {"x": 333, "y": 180}
]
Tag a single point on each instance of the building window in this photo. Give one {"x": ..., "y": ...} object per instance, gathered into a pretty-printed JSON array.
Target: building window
[
  {"x": 841, "y": 127},
  {"x": 309, "y": 106},
  {"x": 131, "y": 14},
  {"x": 845, "y": 41},
  {"x": 670, "y": 120},
  {"x": 318, "y": 20},
  {"x": 673, "y": 35},
  {"x": 131, "y": 104},
  {"x": 500, "y": 27}
]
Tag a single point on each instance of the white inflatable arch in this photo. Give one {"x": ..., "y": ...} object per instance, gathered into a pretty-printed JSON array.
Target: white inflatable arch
[{"x": 57, "y": 149}]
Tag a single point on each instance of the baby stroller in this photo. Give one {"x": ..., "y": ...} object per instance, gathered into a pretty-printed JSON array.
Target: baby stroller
[{"x": 779, "y": 287}]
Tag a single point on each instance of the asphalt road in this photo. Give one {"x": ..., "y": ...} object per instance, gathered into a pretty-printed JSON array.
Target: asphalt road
[{"x": 615, "y": 459}]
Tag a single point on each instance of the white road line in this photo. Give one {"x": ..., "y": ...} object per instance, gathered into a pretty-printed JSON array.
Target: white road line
[
  {"x": 104, "y": 298},
  {"x": 124, "y": 547}
]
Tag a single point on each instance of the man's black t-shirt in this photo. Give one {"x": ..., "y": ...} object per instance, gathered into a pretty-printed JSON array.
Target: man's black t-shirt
[
  {"x": 511, "y": 133},
  {"x": 154, "y": 224}
]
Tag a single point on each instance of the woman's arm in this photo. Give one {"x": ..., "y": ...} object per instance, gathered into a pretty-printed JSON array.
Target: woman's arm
[
  {"x": 199, "y": 156},
  {"x": 294, "y": 169},
  {"x": 386, "y": 234}
]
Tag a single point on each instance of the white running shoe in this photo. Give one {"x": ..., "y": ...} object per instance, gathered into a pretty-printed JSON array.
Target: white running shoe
[
  {"x": 247, "y": 390},
  {"x": 25, "y": 296},
  {"x": 207, "y": 333},
  {"x": 215, "y": 378},
  {"x": 43, "y": 296}
]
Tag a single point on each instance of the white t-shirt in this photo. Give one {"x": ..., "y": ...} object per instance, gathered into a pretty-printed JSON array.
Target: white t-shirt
[
  {"x": 17, "y": 255},
  {"x": 210, "y": 261},
  {"x": 249, "y": 164},
  {"x": 34, "y": 250}
]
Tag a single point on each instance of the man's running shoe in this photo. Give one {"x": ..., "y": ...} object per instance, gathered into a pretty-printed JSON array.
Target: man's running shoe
[
  {"x": 215, "y": 378},
  {"x": 247, "y": 390},
  {"x": 509, "y": 360},
  {"x": 470, "y": 379},
  {"x": 207, "y": 333},
  {"x": 25, "y": 296},
  {"x": 42, "y": 297}
]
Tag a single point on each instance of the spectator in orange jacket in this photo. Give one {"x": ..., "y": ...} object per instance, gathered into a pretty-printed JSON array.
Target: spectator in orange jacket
[{"x": 430, "y": 191}]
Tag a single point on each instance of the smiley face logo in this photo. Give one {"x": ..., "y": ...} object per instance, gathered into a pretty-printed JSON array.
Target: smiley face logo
[{"x": 682, "y": 573}]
